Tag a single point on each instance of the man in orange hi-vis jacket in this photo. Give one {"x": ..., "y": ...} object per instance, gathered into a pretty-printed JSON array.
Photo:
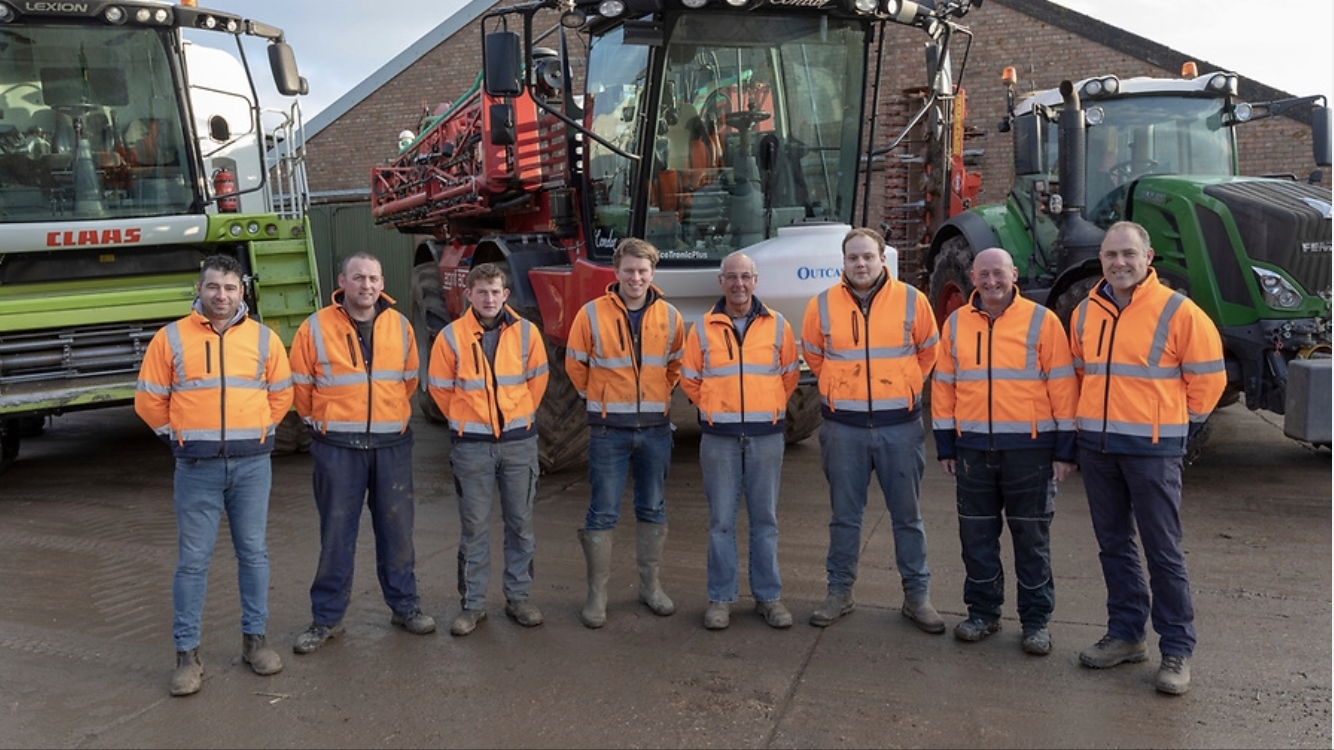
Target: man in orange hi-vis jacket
[
  {"x": 354, "y": 371},
  {"x": 1151, "y": 369},
  {"x": 1003, "y": 410},
  {"x": 214, "y": 385},
  {"x": 624, "y": 358},
  {"x": 871, "y": 340}
]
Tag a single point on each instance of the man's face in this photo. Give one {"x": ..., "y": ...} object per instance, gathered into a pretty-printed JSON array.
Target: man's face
[
  {"x": 487, "y": 297},
  {"x": 863, "y": 261},
  {"x": 993, "y": 276},
  {"x": 1124, "y": 263},
  {"x": 634, "y": 275},
  {"x": 220, "y": 293},
  {"x": 738, "y": 280},
  {"x": 362, "y": 283}
]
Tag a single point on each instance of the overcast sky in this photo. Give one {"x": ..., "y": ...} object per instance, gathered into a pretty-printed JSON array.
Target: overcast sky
[{"x": 1285, "y": 44}]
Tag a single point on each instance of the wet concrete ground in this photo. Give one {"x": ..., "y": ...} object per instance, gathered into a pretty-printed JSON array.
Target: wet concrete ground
[{"x": 87, "y": 549}]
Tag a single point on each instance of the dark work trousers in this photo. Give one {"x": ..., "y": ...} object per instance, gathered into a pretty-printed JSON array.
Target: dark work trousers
[
  {"x": 345, "y": 479},
  {"x": 1018, "y": 485},
  {"x": 1127, "y": 493}
]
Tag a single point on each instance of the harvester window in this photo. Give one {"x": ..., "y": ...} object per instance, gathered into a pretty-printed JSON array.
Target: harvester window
[{"x": 82, "y": 128}]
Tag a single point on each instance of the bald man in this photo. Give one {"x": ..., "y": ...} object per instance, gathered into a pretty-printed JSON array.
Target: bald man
[{"x": 1003, "y": 401}]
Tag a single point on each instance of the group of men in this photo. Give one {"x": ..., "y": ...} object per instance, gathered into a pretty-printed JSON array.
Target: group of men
[{"x": 1012, "y": 402}]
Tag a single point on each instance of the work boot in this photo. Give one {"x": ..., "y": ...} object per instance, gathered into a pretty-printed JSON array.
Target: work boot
[
  {"x": 262, "y": 659},
  {"x": 315, "y": 636},
  {"x": 650, "y": 538},
  {"x": 189, "y": 674},
  {"x": 1173, "y": 675},
  {"x": 975, "y": 629},
  {"x": 834, "y": 607},
  {"x": 1037, "y": 642},
  {"x": 597, "y": 554},
  {"x": 920, "y": 611},
  {"x": 415, "y": 622},
  {"x": 1109, "y": 651},
  {"x": 467, "y": 621},
  {"x": 524, "y": 612},
  {"x": 774, "y": 614},
  {"x": 718, "y": 616}
]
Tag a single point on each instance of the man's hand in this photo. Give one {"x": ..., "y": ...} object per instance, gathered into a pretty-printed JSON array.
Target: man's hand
[
  {"x": 1061, "y": 469},
  {"x": 948, "y": 465}
]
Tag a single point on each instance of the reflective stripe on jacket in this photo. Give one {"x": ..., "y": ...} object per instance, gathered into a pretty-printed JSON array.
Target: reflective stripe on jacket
[
  {"x": 871, "y": 365},
  {"x": 344, "y": 398},
  {"x": 741, "y": 384},
  {"x": 1147, "y": 371},
  {"x": 211, "y": 394},
  {"x": 626, "y": 382},
  {"x": 485, "y": 401},
  {"x": 1005, "y": 383}
]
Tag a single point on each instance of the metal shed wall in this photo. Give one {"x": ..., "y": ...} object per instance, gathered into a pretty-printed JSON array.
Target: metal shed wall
[{"x": 342, "y": 229}]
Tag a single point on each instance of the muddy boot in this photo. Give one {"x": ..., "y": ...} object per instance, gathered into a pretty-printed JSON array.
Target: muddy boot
[
  {"x": 650, "y": 538},
  {"x": 262, "y": 659},
  {"x": 918, "y": 609},
  {"x": 597, "y": 553},
  {"x": 189, "y": 674}
]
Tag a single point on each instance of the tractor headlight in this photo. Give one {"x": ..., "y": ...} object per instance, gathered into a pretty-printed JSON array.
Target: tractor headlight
[{"x": 1277, "y": 292}]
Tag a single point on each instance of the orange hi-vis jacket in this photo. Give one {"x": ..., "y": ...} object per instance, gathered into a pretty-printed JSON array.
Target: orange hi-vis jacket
[
  {"x": 210, "y": 394},
  {"x": 1146, "y": 371},
  {"x": 626, "y": 379},
  {"x": 1005, "y": 383},
  {"x": 871, "y": 360},
  {"x": 741, "y": 384},
  {"x": 485, "y": 399},
  {"x": 346, "y": 397}
]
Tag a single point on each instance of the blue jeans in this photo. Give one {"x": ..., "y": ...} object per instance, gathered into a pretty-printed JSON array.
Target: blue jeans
[
  {"x": 1144, "y": 492},
  {"x": 345, "y": 480},
  {"x": 479, "y": 468},
  {"x": 612, "y": 452},
  {"x": 1018, "y": 485},
  {"x": 733, "y": 466},
  {"x": 203, "y": 488},
  {"x": 896, "y": 454}
]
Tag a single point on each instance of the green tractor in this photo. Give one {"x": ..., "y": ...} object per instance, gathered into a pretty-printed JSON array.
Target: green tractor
[{"x": 1253, "y": 252}]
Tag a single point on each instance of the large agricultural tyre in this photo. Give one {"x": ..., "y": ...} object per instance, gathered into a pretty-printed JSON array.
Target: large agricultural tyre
[
  {"x": 562, "y": 419},
  {"x": 951, "y": 283},
  {"x": 429, "y": 316},
  {"x": 1068, "y": 300},
  {"x": 291, "y": 436},
  {"x": 9, "y": 442},
  {"x": 803, "y": 414}
]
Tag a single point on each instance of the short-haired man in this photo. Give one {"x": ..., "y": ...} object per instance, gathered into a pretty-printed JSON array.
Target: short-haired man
[
  {"x": 488, "y": 373},
  {"x": 740, "y": 368},
  {"x": 624, "y": 357},
  {"x": 214, "y": 385},
  {"x": 1151, "y": 368},
  {"x": 871, "y": 340},
  {"x": 354, "y": 368},
  {"x": 1003, "y": 410}
]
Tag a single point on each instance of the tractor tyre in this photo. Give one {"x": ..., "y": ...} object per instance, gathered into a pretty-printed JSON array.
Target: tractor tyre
[
  {"x": 803, "y": 414},
  {"x": 951, "y": 284},
  {"x": 429, "y": 316},
  {"x": 10, "y": 439},
  {"x": 1067, "y": 301},
  {"x": 292, "y": 436},
  {"x": 562, "y": 419}
]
